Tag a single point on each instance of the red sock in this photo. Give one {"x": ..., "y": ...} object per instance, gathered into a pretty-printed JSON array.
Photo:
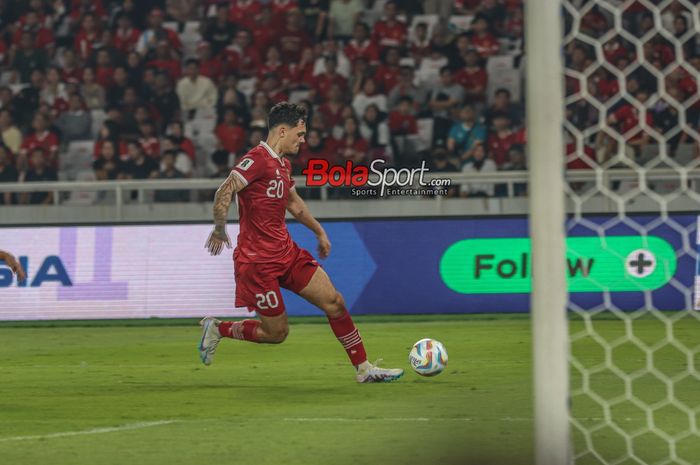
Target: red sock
[
  {"x": 344, "y": 329},
  {"x": 245, "y": 330}
]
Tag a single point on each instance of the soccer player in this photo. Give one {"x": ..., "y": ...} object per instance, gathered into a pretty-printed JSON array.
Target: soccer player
[
  {"x": 14, "y": 265},
  {"x": 266, "y": 258}
]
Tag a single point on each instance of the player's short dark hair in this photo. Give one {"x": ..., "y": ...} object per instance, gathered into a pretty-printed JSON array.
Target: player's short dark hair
[{"x": 286, "y": 113}]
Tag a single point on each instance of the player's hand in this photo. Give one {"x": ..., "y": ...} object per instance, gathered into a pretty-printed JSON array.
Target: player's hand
[
  {"x": 216, "y": 241},
  {"x": 324, "y": 246},
  {"x": 15, "y": 267}
]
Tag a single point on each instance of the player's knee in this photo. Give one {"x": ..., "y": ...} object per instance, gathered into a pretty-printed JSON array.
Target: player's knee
[
  {"x": 279, "y": 335},
  {"x": 336, "y": 306}
]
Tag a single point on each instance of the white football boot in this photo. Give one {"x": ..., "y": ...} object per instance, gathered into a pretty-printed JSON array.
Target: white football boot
[
  {"x": 210, "y": 339},
  {"x": 371, "y": 373}
]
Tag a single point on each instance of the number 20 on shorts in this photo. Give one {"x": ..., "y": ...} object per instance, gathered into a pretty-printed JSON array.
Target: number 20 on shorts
[{"x": 267, "y": 301}]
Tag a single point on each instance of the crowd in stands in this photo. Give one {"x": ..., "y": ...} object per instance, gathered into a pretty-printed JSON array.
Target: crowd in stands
[
  {"x": 181, "y": 88},
  {"x": 642, "y": 84}
]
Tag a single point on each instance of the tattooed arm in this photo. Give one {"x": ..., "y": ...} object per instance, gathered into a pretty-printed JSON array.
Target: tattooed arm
[
  {"x": 14, "y": 265},
  {"x": 222, "y": 202}
]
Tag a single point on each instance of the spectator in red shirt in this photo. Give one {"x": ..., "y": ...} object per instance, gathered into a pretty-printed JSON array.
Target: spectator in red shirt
[
  {"x": 316, "y": 148},
  {"x": 244, "y": 12},
  {"x": 86, "y": 37},
  {"x": 420, "y": 43},
  {"x": 401, "y": 121},
  {"x": 501, "y": 138},
  {"x": 473, "y": 78},
  {"x": 104, "y": 70},
  {"x": 626, "y": 120},
  {"x": 176, "y": 134},
  {"x": 283, "y": 7},
  {"x": 272, "y": 87},
  {"x": 273, "y": 64},
  {"x": 265, "y": 30},
  {"x": 43, "y": 37},
  {"x": 79, "y": 8},
  {"x": 515, "y": 24},
  {"x": 242, "y": 57},
  {"x": 125, "y": 35},
  {"x": 149, "y": 139},
  {"x": 360, "y": 45},
  {"x": 70, "y": 71},
  {"x": 594, "y": 23},
  {"x": 389, "y": 32},
  {"x": 156, "y": 33},
  {"x": 387, "y": 73},
  {"x": 324, "y": 81},
  {"x": 614, "y": 49},
  {"x": 41, "y": 138},
  {"x": 209, "y": 65},
  {"x": 333, "y": 107},
  {"x": 300, "y": 74},
  {"x": 482, "y": 40},
  {"x": 166, "y": 59},
  {"x": 293, "y": 38},
  {"x": 351, "y": 146},
  {"x": 229, "y": 133}
]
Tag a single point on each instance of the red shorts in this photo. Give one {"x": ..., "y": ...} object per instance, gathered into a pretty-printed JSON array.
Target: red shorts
[{"x": 258, "y": 284}]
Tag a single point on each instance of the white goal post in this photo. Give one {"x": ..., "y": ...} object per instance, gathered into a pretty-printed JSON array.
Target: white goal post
[
  {"x": 545, "y": 110},
  {"x": 612, "y": 86}
]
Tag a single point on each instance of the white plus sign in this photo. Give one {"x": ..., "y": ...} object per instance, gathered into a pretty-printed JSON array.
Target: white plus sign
[{"x": 640, "y": 263}]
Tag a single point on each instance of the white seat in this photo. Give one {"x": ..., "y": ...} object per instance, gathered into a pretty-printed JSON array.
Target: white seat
[
  {"x": 499, "y": 63},
  {"x": 425, "y": 134},
  {"x": 172, "y": 25},
  {"x": 297, "y": 96},
  {"x": 430, "y": 20},
  {"x": 78, "y": 155},
  {"x": 83, "y": 197},
  {"x": 461, "y": 23},
  {"x": 685, "y": 154},
  {"x": 98, "y": 117},
  {"x": 510, "y": 79}
]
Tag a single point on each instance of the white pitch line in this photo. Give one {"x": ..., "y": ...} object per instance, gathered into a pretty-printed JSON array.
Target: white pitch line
[
  {"x": 397, "y": 419},
  {"x": 110, "y": 429}
]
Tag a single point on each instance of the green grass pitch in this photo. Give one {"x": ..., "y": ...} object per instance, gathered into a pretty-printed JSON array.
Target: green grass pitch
[{"x": 113, "y": 394}]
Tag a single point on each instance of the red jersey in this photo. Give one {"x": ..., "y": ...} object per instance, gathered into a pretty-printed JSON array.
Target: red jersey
[
  {"x": 367, "y": 50},
  {"x": 47, "y": 140},
  {"x": 243, "y": 12},
  {"x": 388, "y": 34},
  {"x": 262, "y": 205},
  {"x": 499, "y": 146},
  {"x": 628, "y": 117},
  {"x": 486, "y": 45},
  {"x": 231, "y": 138}
]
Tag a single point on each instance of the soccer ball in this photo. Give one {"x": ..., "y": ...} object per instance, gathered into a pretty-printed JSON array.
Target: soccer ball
[{"x": 428, "y": 357}]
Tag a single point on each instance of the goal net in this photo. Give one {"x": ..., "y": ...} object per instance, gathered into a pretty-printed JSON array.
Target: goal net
[{"x": 632, "y": 106}]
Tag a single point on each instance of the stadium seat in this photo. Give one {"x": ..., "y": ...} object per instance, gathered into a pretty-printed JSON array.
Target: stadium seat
[
  {"x": 502, "y": 72},
  {"x": 297, "y": 96},
  {"x": 460, "y": 24},
  {"x": 430, "y": 20},
  {"x": 98, "y": 117},
  {"x": 172, "y": 25},
  {"x": 83, "y": 197},
  {"x": 77, "y": 157},
  {"x": 685, "y": 154},
  {"x": 425, "y": 134}
]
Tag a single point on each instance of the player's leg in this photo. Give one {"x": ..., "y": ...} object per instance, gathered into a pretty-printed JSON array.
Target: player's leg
[
  {"x": 269, "y": 330},
  {"x": 257, "y": 288},
  {"x": 311, "y": 282}
]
